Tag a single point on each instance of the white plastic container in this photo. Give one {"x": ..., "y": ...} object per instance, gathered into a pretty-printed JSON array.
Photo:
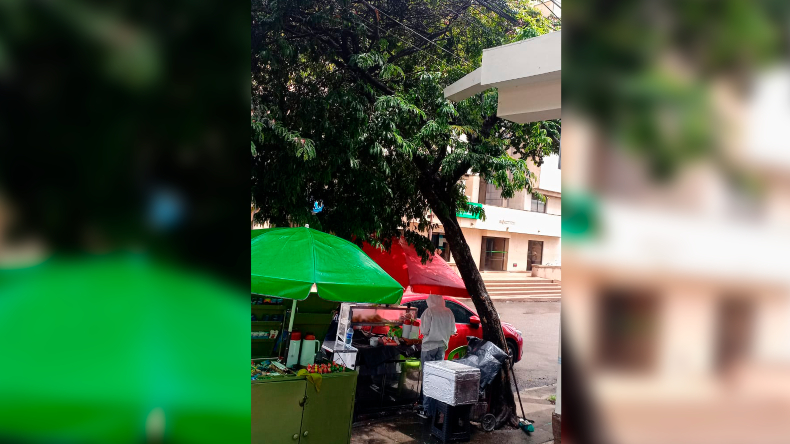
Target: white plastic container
[
  {"x": 293, "y": 349},
  {"x": 451, "y": 383},
  {"x": 310, "y": 347},
  {"x": 406, "y": 329},
  {"x": 415, "y": 329}
]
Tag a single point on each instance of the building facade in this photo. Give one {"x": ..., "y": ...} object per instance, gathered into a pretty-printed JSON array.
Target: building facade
[
  {"x": 679, "y": 298},
  {"x": 516, "y": 234}
]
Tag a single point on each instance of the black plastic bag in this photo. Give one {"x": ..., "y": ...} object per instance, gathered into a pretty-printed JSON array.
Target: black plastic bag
[{"x": 485, "y": 356}]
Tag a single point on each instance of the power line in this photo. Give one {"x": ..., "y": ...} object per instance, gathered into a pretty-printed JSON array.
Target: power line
[
  {"x": 404, "y": 41},
  {"x": 504, "y": 15},
  {"x": 397, "y": 37},
  {"x": 496, "y": 9},
  {"x": 552, "y": 12},
  {"x": 475, "y": 22},
  {"x": 421, "y": 36}
]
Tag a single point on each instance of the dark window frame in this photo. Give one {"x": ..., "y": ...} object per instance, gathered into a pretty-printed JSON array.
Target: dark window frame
[{"x": 538, "y": 206}]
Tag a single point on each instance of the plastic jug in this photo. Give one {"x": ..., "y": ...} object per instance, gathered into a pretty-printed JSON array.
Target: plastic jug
[
  {"x": 415, "y": 329},
  {"x": 293, "y": 349},
  {"x": 310, "y": 347},
  {"x": 406, "y": 329}
]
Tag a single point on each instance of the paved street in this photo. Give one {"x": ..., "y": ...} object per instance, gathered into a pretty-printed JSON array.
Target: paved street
[{"x": 539, "y": 323}]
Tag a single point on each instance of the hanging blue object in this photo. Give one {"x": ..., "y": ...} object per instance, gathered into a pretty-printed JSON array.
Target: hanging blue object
[{"x": 317, "y": 207}]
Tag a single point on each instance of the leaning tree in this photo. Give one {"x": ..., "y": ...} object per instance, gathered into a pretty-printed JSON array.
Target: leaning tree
[{"x": 348, "y": 110}]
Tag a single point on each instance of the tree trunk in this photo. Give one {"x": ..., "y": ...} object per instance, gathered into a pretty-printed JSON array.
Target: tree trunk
[{"x": 503, "y": 404}]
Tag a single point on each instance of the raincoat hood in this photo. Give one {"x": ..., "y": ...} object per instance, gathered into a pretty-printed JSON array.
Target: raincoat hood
[{"x": 435, "y": 301}]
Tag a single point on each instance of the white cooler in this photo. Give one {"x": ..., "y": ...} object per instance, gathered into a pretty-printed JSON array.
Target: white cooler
[{"x": 451, "y": 383}]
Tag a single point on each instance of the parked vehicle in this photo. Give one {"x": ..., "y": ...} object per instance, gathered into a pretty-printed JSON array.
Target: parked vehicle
[{"x": 467, "y": 323}]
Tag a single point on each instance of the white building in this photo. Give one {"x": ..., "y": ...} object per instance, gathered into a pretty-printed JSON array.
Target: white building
[
  {"x": 517, "y": 233},
  {"x": 679, "y": 300},
  {"x": 523, "y": 231}
]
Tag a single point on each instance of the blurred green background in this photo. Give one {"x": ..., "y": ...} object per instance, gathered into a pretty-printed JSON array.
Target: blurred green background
[{"x": 123, "y": 262}]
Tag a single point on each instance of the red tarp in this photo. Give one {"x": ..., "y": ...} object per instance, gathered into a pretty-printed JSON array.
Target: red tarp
[{"x": 404, "y": 265}]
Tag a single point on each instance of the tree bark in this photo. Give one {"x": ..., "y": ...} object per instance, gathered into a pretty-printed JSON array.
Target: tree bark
[{"x": 503, "y": 404}]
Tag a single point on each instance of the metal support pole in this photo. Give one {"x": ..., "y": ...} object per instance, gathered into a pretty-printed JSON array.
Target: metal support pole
[{"x": 293, "y": 315}]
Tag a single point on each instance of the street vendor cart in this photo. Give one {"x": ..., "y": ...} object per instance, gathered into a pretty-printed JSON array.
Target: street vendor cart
[
  {"x": 370, "y": 339},
  {"x": 299, "y": 277}
]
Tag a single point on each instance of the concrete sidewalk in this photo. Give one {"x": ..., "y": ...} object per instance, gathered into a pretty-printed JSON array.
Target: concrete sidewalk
[{"x": 410, "y": 428}]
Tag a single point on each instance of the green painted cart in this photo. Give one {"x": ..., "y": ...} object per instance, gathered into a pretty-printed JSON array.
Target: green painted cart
[{"x": 288, "y": 409}]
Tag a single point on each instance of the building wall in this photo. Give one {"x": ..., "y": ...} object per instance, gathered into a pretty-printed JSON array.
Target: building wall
[
  {"x": 550, "y": 174},
  {"x": 688, "y": 319},
  {"x": 516, "y": 221},
  {"x": 513, "y": 220},
  {"x": 518, "y": 247},
  {"x": 553, "y": 205},
  {"x": 475, "y": 240}
]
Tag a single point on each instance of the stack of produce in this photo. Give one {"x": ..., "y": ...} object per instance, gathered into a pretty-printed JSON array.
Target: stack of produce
[
  {"x": 264, "y": 370},
  {"x": 325, "y": 368}
]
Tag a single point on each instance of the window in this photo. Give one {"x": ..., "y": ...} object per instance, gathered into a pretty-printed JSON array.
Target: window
[
  {"x": 493, "y": 196},
  {"x": 538, "y": 206},
  {"x": 628, "y": 329},
  {"x": 460, "y": 312},
  {"x": 734, "y": 331},
  {"x": 494, "y": 253},
  {"x": 440, "y": 243}
]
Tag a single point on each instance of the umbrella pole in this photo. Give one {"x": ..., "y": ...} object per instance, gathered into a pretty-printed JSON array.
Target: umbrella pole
[
  {"x": 293, "y": 315},
  {"x": 285, "y": 340}
]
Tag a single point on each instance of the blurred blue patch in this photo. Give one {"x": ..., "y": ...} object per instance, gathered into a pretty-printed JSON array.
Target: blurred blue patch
[{"x": 166, "y": 210}]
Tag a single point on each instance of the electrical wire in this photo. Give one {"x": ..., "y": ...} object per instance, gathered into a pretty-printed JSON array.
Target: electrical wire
[
  {"x": 421, "y": 36},
  {"x": 474, "y": 21},
  {"x": 552, "y": 12},
  {"x": 404, "y": 41},
  {"x": 504, "y": 15},
  {"x": 496, "y": 9}
]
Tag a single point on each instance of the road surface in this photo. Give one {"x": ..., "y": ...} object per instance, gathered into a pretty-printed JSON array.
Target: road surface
[{"x": 539, "y": 323}]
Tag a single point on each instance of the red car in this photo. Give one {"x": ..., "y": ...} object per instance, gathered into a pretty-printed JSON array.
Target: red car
[{"x": 466, "y": 322}]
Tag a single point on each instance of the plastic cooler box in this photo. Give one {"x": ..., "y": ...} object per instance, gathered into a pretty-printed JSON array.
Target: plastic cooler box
[
  {"x": 451, "y": 383},
  {"x": 345, "y": 355}
]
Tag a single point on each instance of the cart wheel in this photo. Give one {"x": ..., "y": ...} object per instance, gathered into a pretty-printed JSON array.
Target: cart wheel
[{"x": 488, "y": 422}]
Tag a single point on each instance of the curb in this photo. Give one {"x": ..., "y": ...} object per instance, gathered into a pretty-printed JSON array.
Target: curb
[
  {"x": 527, "y": 298},
  {"x": 538, "y": 388}
]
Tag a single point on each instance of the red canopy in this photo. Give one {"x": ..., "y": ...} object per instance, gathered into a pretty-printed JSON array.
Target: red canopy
[{"x": 405, "y": 266}]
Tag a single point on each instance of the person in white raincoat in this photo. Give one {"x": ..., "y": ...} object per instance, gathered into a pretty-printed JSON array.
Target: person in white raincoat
[{"x": 437, "y": 324}]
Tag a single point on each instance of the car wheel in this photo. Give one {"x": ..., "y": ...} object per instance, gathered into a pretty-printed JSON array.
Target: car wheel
[{"x": 512, "y": 349}]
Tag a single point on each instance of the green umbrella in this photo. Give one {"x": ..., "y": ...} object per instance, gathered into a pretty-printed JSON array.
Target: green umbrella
[{"x": 288, "y": 262}]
